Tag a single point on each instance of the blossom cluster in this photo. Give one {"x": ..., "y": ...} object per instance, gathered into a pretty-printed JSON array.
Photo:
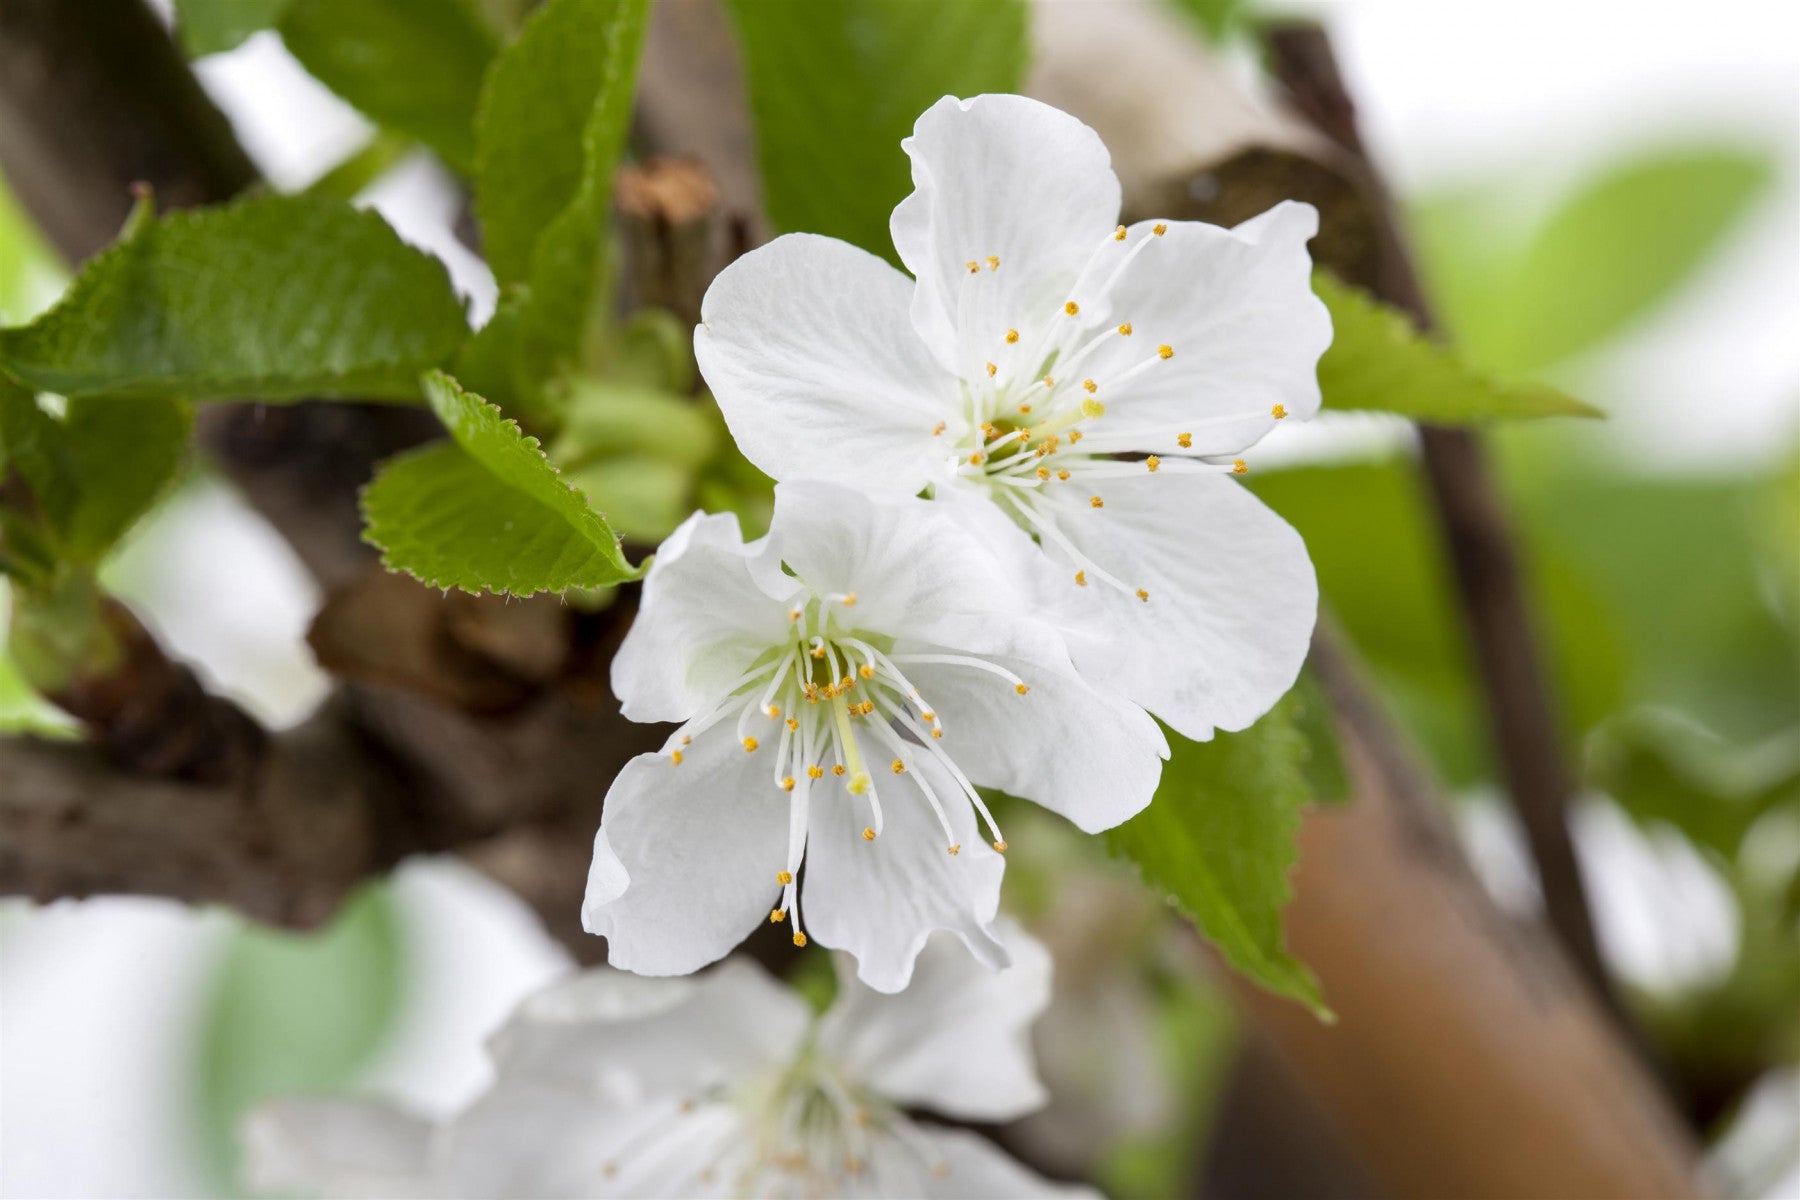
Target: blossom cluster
[{"x": 1007, "y": 541}]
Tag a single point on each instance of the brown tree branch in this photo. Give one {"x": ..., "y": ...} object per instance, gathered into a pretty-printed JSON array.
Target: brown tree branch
[{"x": 1476, "y": 534}]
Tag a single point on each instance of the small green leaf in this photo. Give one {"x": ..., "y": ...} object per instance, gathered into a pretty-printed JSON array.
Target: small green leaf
[
  {"x": 272, "y": 298},
  {"x": 126, "y": 452},
  {"x": 215, "y": 26},
  {"x": 834, "y": 87},
  {"x": 489, "y": 512},
  {"x": 1379, "y": 361},
  {"x": 1219, "y": 841},
  {"x": 411, "y": 65},
  {"x": 293, "y": 1013},
  {"x": 33, "y": 444}
]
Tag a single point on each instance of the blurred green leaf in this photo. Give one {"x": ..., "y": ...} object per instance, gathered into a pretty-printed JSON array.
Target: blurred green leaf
[
  {"x": 550, "y": 133},
  {"x": 1219, "y": 841},
  {"x": 273, "y": 298},
  {"x": 215, "y": 26},
  {"x": 411, "y": 65},
  {"x": 1620, "y": 244},
  {"x": 126, "y": 452},
  {"x": 1379, "y": 361},
  {"x": 28, "y": 268},
  {"x": 1217, "y": 19},
  {"x": 488, "y": 512},
  {"x": 295, "y": 1013},
  {"x": 32, "y": 443},
  {"x": 834, "y": 87}
]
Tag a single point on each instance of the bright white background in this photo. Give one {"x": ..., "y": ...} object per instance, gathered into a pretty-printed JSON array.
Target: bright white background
[{"x": 98, "y": 1000}]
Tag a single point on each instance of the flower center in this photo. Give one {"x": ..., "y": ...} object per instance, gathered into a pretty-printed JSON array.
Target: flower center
[{"x": 834, "y": 703}]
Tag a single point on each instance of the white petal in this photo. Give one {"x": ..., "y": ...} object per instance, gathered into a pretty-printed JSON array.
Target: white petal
[
  {"x": 1232, "y": 599},
  {"x": 626, "y": 1037},
  {"x": 907, "y": 560},
  {"x": 880, "y": 900},
  {"x": 1092, "y": 756},
  {"x": 1237, "y": 309},
  {"x": 336, "y": 1148},
  {"x": 697, "y": 846},
  {"x": 973, "y": 1168},
  {"x": 531, "y": 1137},
  {"x": 1006, "y": 178},
  {"x": 806, "y": 345},
  {"x": 957, "y": 1040},
  {"x": 702, "y": 620}
]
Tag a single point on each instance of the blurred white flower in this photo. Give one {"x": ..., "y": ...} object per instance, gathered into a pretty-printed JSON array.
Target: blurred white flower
[
  {"x": 1037, "y": 341},
  {"x": 844, "y": 684},
  {"x": 723, "y": 1084}
]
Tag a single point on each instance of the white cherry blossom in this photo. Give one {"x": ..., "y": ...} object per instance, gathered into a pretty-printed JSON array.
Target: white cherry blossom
[
  {"x": 1084, "y": 389},
  {"x": 717, "y": 1085},
  {"x": 843, "y": 686}
]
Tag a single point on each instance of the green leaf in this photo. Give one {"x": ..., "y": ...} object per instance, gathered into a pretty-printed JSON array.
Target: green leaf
[
  {"x": 1379, "y": 361},
  {"x": 30, "y": 273},
  {"x": 32, "y": 443},
  {"x": 1621, "y": 244},
  {"x": 489, "y": 512},
  {"x": 411, "y": 65},
  {"x": 551, "y": 117},
  {"x": 1219, "y": 841},
  {"x": 834, "y": 87},
  {"x": 1217, "y": 19},
  {"x": 273, "y": 298},
  {"x": 125, "y": 454},
  {"x": 295, "y": 1013},
  {"x": 215, "y": 26}
]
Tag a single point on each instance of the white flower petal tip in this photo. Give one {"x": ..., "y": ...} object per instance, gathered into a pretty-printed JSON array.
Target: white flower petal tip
[
  {"x": 1049, "y": 362},
  {"x": 831, "y": 783},
  {"x": 725, "y": 1083}
]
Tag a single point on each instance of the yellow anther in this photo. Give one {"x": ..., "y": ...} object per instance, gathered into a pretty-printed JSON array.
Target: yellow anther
[
  {"x": 1081, "y": 578},
  {"x": 1090, "y": 386},
  {"x": 929, "y": 716},
  {"x": 1091, "y": 409},
  {"x": 1049, "y": 382},
  {"x": 1184, "y": 440},
  {"x": 993, "y": 263},
  {"x": 818, "y": 652},
  {"x": 773, "y": 710},
  {"x": 1096, "y": 502},
  {"x": 973, "y": 266},
  {"x": 975, "y": 459},
  {"x": 849, "y": 599},
  {"x": 777, "y": 915},
  {"x": 860, "y": 1116},
  {"x": 1012, "y": 335},
  {"x": 1125, "y": 329},
  {"x": 1024, "y": 408},
  {"x": 1119, "y": 234},
  {"x": 1075, "y": 435},
  {"x": 1159, "y": 229},
  {"x": 956, "y": 849},
  {"x": 868, "y": 834},
  {"x": 1143, "y": 595},
  {"x": 1043, "y": 472},
  {"x": 815, "y": 772},
  {"x": 1063, "y": 475},
  {"x": 675, "y": 757},
  {"x": 1239, "y": 467},
  {"x": 866, "y": 671},
  {"x": 787, "y": 783},
  {"x": 939, "y": 430},
  {"x": 937, "y": 733},
  {"x": 838, "y": 770},
  {"x": 1000, "y": 846},
  {"x": 1152, "y": 463},
  {"x": 686, "y": 740},
  {"x": 1020, "y": 688},
  {"x": 794, "y": 614},
  {"x": 750, "y": 744},
  {"x": 898, "y": 767},
  {"x": 799, "y": 939},
  {"x": 868, "y": 707},
  {"x": 783, "y": 878},
  {"x": 1278, "y": 412},
  {"x": 1071, "y": 308},
  {"x": 1165, "y": 351},
  {"x": 793, "y": 725},
  {"x": 992, "y": 370}
]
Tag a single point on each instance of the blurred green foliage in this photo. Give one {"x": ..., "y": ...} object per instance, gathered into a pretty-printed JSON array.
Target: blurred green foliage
[{"x": 294, "y": 1013}]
